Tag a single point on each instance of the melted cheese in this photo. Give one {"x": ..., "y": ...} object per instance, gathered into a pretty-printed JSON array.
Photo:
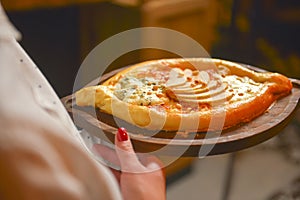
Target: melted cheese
[
  {"x": 243, "y": 88},
  {"x": 144, "y": 91},
  {"x": 185, "y": 87}
]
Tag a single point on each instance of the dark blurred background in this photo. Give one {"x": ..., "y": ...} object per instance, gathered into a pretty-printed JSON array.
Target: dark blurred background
[{"x": 58, "y": 34}]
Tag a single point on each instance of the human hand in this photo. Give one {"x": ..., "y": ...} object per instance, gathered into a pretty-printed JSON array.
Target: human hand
[{"x": 140, "y": 177}]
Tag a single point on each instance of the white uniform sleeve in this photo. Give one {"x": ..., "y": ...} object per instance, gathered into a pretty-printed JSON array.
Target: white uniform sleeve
[{"x": 41, "y": 156}]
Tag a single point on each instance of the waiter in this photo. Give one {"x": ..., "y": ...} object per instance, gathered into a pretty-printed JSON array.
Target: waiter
[{"x": 41, "y": 156}]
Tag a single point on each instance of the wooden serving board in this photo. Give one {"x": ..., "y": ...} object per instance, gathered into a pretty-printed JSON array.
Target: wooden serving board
[{"x": 183, "y": 144}]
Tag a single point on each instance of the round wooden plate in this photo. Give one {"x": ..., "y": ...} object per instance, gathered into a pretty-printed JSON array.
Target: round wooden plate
[{"x": 104, "y": 126}]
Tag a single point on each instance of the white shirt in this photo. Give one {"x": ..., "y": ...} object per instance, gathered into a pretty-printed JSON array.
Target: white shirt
[{"x": 41, "y": 156}]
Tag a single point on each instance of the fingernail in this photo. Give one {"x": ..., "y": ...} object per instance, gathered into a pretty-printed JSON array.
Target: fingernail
[{"x": 122, "y": 135}]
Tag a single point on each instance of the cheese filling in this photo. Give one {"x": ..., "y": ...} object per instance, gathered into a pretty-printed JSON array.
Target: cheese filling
[
  {"x": 178, "y": 88},
  {"x": 144, "y": 91}
]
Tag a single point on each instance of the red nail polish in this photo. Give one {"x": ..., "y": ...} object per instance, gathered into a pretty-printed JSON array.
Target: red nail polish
[{"x": 122, "y": 135}]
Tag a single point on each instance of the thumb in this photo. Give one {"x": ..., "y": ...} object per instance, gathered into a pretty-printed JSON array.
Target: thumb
[{"x": 128, "y": 159}]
